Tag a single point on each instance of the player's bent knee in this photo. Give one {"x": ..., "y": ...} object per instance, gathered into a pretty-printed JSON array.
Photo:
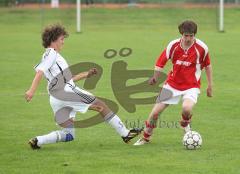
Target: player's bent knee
[
  {"x": 100, "y": 106},
  {"x": 99, "y": 102},
  {"x": 97, "y": 108}
]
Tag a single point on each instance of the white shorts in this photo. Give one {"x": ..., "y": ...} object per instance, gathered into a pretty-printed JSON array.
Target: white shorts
[
  {"x": 82, "y": 107},
  {"x": 175, "y": 95}
]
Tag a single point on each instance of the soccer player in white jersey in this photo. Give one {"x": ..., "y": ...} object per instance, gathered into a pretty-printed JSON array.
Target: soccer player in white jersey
[
  {"x": 53, "y": 64},
  {"x": 188, "y": 56}
]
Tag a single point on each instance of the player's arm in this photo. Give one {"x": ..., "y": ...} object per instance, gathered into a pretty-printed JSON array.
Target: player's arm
[
  {"x": 36, "y": 81},
  {"x": 161, "y": 61},
  {"x": 210, "y": 81},
  {"x": 84, "y": 75},
  {"x": 154, "y": 78},
  {"x": 46, "y": 63},
  {"x": 208, "y": 69}
]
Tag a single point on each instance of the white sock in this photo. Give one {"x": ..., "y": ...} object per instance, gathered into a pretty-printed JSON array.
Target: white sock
[
  {"x": 47, "y": 139},
  {"x": 117, "y": 124},
  {"x": 187, "y": 128}
]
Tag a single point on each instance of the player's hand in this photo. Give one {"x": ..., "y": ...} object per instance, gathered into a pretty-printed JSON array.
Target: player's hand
[
  {"x": 29, "y": 95},
  {"x": 92, "y": 72},
  {"x": 209, "y": 91},
  {"x": 152, "y": 81}
]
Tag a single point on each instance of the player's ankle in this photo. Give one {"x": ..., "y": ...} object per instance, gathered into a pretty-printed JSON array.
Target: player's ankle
[
  {"x": 186, "y": 120},
  {"x": 184, "y": 123},
  {"x": 146, "y": 136}
]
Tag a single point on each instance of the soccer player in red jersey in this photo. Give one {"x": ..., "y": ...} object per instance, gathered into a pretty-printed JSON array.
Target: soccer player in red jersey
[{"x": 189, "y": 56}]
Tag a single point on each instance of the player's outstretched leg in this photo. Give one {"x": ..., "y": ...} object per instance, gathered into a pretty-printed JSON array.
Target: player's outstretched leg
[
  {"x": 112, "y": 119},
  {"x": 187, "y": 107},
  {"x": 65, "y": 135},
  {"x": 150, "y": 124}
]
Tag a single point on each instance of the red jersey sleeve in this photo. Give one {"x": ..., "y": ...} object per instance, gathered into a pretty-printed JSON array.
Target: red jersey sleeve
[
  {"x": 162, "y": 60},
  {"x": 206, "y": 61}
]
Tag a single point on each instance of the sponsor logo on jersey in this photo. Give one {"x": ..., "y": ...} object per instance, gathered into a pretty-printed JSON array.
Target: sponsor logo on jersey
[{"x": 185, "y": 63}]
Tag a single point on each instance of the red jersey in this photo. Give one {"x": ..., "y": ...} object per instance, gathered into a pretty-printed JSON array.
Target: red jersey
[{"x": 187, "y": 64}]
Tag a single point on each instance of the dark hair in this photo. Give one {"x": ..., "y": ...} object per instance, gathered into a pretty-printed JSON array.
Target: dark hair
[
  {"x": 188, "y": 27},
  {"x": 52, "y": 33}
]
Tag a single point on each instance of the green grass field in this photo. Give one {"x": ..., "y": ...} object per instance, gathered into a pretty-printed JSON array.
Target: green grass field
[{"x": 98, "y": 149}]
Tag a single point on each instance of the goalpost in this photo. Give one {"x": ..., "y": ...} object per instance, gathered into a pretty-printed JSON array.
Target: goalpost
[
  {"x": 221, "y": 15},
  {"x": 78, "y": 4}
]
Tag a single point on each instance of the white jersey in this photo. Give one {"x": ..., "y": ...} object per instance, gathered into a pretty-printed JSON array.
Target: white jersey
[{"x": 52, "y": 64}]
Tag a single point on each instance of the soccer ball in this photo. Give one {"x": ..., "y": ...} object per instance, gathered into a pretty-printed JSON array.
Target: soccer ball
[{"x": 192, "y": 140}]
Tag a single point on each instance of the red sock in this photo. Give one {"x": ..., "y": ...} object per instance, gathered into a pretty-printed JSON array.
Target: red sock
[
  {"x": 185, "y": 120},
  {"x": 146, "y": 136},
  {"x": 149, "y": 126}
]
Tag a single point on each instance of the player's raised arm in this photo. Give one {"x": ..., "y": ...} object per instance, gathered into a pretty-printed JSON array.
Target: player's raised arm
[
  {"x": 30, "y": 92},
  {"x": 210, "y": 81},
  {"x": 84, "y": 75}
]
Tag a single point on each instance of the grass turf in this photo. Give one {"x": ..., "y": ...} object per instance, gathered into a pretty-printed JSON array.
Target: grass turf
[{"x": 98, "y": 149}]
